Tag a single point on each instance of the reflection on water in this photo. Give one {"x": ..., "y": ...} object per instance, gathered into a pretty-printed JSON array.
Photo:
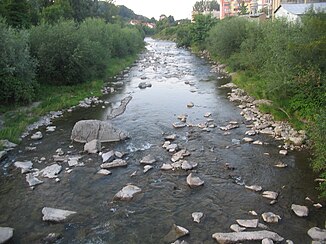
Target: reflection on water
[{"x": 165, "y": 199}]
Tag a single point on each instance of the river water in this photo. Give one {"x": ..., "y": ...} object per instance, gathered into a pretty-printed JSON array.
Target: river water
[{"x": 166, "y": 199}]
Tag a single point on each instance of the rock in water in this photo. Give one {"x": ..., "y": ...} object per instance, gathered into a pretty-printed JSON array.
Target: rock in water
[
  {"x": 270, "y": 217},
  {"x": 32, "y": 180},
  {"x": 121, "y": 109},
  {"x": 248, "y": 223},
  {"x": 114, "y": 164},
  {"x": 267, "y": 241},
  {"x": 246, "y": 236},
  {"x": 197, "y": 216},
  {"x": 93, "y": 146},
  {"x": 254, "y": 188},
  {"x": 194, "y": 181},
  {"x": 55, "y": 215},
  {"x": 237, "y": 228},
  {"x": 6, "y": 234},
  {"x": 148, "y": 160},
  {"x": 37, "y": 136},
  {"x": 301, "y": 211},
  {"x": 175, "y": 233},
  {"x": 109, "y": 156},
  {"x": 270, "y": 195},
  {"x": 88, "y": 130},
  {"x": 317, "y": 234},
  {"x": 127, "y": 193},
  {"x": 51, "y": 171},
  {"x": 24, "y": 166}
]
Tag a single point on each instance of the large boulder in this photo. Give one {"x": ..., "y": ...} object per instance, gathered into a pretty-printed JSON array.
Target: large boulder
[{"x": 87, "y": 130}]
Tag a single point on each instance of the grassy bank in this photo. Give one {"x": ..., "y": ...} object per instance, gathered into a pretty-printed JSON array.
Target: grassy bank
[{"x": 54, "y": 98}]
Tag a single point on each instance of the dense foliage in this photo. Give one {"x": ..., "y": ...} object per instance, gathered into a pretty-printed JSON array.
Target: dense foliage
[{"x": 281, "y": 61}]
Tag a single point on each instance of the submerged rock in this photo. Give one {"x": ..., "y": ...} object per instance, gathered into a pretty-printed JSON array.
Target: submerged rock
[
  {"x": 197, "y": 216},
  {"x": 25, "y": 166},
  {"x": 301, "y": 211},
  {"x": 6, "y": 234},
  {"x": 246, "y": 236},
  {"x": 127, "y": 193},
  {"x": 88, "y": 130},
  {"x": 115, "y": 112},
  {"x": 55, "y": 215},
  {"x": 194, "y": 181}
]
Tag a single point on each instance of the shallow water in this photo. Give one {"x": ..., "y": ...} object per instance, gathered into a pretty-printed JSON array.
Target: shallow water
[{"x": 165, "y": 199}]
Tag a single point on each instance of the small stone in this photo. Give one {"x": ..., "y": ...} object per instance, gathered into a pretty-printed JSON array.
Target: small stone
[
  {"x": 133, "y": 174},
  {"x": 190, "y": 105},
  {"x": 51, "y": 171},
  {"x": 188, "y": 165},
  {"x": 237, "y": 228},
  {"x": 267, "y": 241},
  {"x": 301, "y": 211},
  {"x": 290, "y": 242},
  {"x": 252, "y": 212},
  {"x": 254, "y": 188},
  {"x": 51, "y": 238},
  {"x": 270, "y": 217},
  {"x": 318, "y": 205},
  {"x": 104, "y": 172},
  {"x": 55, "y": 215},
  {"x": 317, "y": 234},
  {"x": 32, "y": 180},
  {"x": 179, "y": 125},
  {"x": 258, "y": 142},
  {"x": 115, "y": 163},
  {"x": 148, "y": 160},
  {"x": 180, "y": 155},
  {"x": 93, "y": 146},
  {"x": 194, "y": 181},
  {"x": 50, "y": 128},
  {"x": 248, "y": 223},
  {"x": 248, "y": 139},
  {"x": 118, "y": 154},
  {"x": 170, "y": 137},
  {"x": 147, "y": 167},
  {"x": 197, "y": 216},
  {"x": 175, "y": 233},
  {"x": 208, "y": 114},
  {"x": 280, "y": 165},
  {"x": 283, "y": 152},
  {"x": 108, "y": 156},
  {"x": 25, "y": 166},
  {"x": 270, "y": 195},
  {"x": 59, "y": 152},
  {"x": 166, "y": 167},
  {"x": 127, "y": 193},
  {"x": 6, "y": 233},
  {"x": 37, "y": 136}
]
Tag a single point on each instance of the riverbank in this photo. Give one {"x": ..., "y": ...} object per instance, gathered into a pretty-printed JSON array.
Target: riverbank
[{"x": 53, "y": 98}]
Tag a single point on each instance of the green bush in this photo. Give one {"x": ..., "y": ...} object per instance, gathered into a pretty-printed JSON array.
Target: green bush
[{"x": 17, "y": 68}]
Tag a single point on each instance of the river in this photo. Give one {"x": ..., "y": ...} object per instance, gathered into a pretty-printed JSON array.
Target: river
[{"x": 166, "y": 199}]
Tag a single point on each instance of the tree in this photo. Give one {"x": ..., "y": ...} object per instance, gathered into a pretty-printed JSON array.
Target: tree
[
  {"x": 206, "y": 6},
  {"x": 243, "y": 9},
  {"x": 16, "y": 12}
]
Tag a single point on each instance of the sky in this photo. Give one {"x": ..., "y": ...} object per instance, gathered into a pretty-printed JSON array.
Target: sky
[{"x": 179, "y": 9}]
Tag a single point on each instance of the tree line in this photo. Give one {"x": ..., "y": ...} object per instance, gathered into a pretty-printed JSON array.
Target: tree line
[{"x": 276, "y": 60}]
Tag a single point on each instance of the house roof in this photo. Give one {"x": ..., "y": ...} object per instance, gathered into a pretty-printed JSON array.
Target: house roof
[{"x": 301, "y": 8}]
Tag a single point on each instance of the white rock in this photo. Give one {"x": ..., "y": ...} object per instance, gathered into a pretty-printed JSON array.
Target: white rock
[
  {"x": 188, "y": 165},
  {"x": 179, "y": 125},
  {"x": 248, "y": 139},
  {"x": 50, "y": 128},
  {"x": 237, "y": 228},
  {"x": 93, "y": 146},
  {"x": 55, "y": 215},
  {"x": 108, "y": 156},
  {"x": 170, "y": 137},
  {"x": 149, "y": 159},
  {"x": 283, "y": 152},
  {"x": 114, "y": 164},
  {"x": 270, "y": 195},
  {"x": 197, "y": 216},
  {"x": 248, "y": 223},
  {"x": 32, "y": 180},
  {"x": 318, "y": 205},
  {"x": 301, "y": 211},
  {"x": 280, "y": 165},
  {"x": 194, "y": 181},
  {"x": 208, "y": 114},
  {"x": 166, "y": 167},
  {"x": 25, "y": 166},
  {"x": 270, "y": 217},
  {"x": 104, "y": 172},
  {"x": 317, "y": 234},
  {"x": 190, "y": 105},
  {"x": 254, "y": 188},
  {"x": 180, "y": 155},
  {"x": 246, "y": 236},
  {"x": 258, "y": 142},
  {"x": 175, "y": 233},
  {"x": 127, "y": 193},
  {"x": 290, "y": 242},
  {"x": 51, "y": 171},
  {"x": 6, "y": 234},
  {"x": 267, "y": 241},
  {"x": 73, "y": 161},
  {"x": 118, "y": 154},
  {"x": 37, "y": 136},
  {"x": 252, "y": 212},
  {"x": 147, "y": 167}
]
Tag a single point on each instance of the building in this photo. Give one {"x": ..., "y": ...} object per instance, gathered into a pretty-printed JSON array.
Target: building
[
  {"x": 293, "y": 11},
  {"x": 254, "y": 7}
]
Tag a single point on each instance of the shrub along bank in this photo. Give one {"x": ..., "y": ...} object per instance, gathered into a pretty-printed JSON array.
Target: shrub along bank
[
  {"x": 276, "y": 60},
  {"x": 59, "y": 64}
]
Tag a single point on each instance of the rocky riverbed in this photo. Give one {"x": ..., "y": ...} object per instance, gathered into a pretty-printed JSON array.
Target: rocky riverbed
[{"x": 172, "y": 153}]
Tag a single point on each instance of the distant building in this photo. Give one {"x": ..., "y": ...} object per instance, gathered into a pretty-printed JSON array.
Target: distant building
[
  {"x": 254, "y": 7},
  {"x": 293, "y": 11}
]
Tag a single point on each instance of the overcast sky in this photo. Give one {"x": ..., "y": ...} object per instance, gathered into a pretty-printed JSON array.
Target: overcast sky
[{"x": 179, "y": 9}]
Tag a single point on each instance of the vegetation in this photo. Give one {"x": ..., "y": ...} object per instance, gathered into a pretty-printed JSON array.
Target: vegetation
[{"x": 276, "y": 60}]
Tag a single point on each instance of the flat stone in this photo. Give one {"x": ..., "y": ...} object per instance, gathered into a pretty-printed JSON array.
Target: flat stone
[
  {"x": 301, "y": 211},
  {"x": 270, "y": 217},
  {"x": 248, "y": 139},
  {"x": 208, "y": 114},
  {"x": 248, "y": 223},
  {"x": 188, "y": 165},
  {"x": 32, "y": 180},
  {"x": 175, "y": 233},
  {"x": 93, "y": 146},
  {"x": 197, "y": 216},
  {"x": 317, "y": 234},
  {"x": 267, "y": 241},
  {"x": 118, "y": 154},
  {"x": 74, "y": 161},
  {"x": 237, "y": 228},
  {"x": 127, "y": 193},
  {"x": 149, "y": 159},
  {"x": 25, "y": 166},
  {"x": 190, "y": 105},
  {"x": 6, "y": 233},
  {"x": 50, "y": 128},
  {"x": 246, "y": 236},
  {"x": 170, "y": 137},
  {"x": 180, "y": 155},
  {"x": 108, "y": 156},
  {"x": 166, "y": 167},
  {"x": 104, "y": 172},
  {"x": 37, "y": 136},
  {"x": 172, "y": 147},
  {"x": 280, "y": 165},
  {"x": 114, "y": 164},
  {"x": 178, "y": 125},
  {"x": 55, "y": 215},
  {"x": 147, "y": 167},
  {"x": 51, "y": 171},
  {"x": 283, "y": 152},
  {"x": 254, "y": 188},
  {"x": 270, "y": 195},
  {"x": 194, "y": 181}
]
